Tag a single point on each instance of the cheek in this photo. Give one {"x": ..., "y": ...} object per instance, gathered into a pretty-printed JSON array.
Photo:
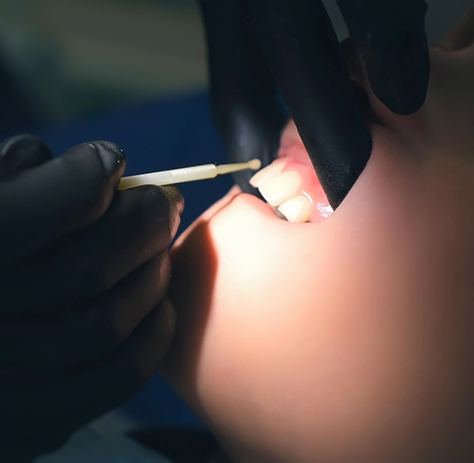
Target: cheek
[
  {"x": 351, "y": 336},
  {"x": 356, "y": 362}
]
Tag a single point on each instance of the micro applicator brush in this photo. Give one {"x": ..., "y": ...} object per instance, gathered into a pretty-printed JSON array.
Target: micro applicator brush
[{"x": 186, "y": 174}]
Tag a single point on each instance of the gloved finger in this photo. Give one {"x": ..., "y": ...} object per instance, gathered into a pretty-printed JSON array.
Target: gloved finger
[
  {"x": 302, "y": 51},
  {"x": 146, "y": 288},
  {"x": 49, "y": 200},
  {"x": 78, "y": 395},
  {"x": 139, "y": 225},
  {"x": 88, "y": 333},
  {"x": 22, "y": 152},
  {"x": 245, "y": 104},
  {"x": 391, "y": 38},
  {"x": 155, "y": 346}
]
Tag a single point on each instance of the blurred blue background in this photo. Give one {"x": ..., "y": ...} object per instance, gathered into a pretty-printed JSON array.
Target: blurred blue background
[{"x": 73, "y": 57}]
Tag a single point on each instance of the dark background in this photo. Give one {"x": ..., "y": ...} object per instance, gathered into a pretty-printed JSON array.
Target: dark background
[{"x": 71, "y": 58}]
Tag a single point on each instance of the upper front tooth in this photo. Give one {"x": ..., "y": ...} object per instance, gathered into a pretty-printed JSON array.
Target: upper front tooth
[
  {"x": 266, "y": 173},
  {"x": 280, "y": 188}
]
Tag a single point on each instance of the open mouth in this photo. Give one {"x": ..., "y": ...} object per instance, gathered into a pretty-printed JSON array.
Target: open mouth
[{"x": 290, "y": 184}]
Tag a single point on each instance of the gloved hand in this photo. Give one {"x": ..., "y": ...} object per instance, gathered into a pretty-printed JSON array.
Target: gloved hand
[
  {"x": 84, "y": 271},
  {"x": 258, "y": 49}
]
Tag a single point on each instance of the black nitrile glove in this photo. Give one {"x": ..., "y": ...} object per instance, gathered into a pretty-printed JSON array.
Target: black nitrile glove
[
  {"x": 258, "y": 49},
  {"x": 84, "y": 270}
]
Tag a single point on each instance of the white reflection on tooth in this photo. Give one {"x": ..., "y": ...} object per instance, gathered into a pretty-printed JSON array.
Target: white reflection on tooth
[
  {"x": 297, "y": 209},
  {"x": 280, "y": 188},
  {"x": 325, "y": 209},
  {"x": 266, "y": 173}
]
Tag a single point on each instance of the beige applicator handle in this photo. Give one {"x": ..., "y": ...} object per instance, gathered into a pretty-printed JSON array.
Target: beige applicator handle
[{"x": 186, "y": 174}]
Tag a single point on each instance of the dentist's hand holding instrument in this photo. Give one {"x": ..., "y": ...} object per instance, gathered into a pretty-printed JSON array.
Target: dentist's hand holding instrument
[{"x": 84, "y": 318}]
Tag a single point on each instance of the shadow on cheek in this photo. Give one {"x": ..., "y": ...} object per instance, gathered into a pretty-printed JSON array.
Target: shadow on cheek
[{"x": 192, "y": 285}]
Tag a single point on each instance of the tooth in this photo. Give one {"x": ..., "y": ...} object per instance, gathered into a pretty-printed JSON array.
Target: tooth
[
  {"x": 266, "y": 173},
  {"x": 297, "y": 209},
  {"x": 280, "y": 188}
]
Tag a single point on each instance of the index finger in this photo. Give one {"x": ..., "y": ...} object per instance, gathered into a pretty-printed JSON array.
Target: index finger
[
  {"x": 44, "y": 202},
  {"x": 302, "y": 51}
]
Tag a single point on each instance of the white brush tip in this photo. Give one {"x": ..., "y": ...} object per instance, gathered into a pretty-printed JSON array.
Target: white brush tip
[{"x": 255, "y": 164}]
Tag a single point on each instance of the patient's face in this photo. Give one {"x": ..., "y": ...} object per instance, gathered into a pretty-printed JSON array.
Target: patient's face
[{"x": 348, "y": 338}]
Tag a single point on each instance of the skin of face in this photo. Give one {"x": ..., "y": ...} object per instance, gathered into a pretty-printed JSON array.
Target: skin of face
[{"x": 349, "y": 339}]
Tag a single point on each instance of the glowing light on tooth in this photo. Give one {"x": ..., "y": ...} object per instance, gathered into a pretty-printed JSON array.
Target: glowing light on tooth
[
  {"x": 325, "y": 209},
  {"x": 289, "y": 177},
  {"x": 266, "y": 173},
  {"x": 296, "y": 210},
  {"x": 280, "y": 188}
]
